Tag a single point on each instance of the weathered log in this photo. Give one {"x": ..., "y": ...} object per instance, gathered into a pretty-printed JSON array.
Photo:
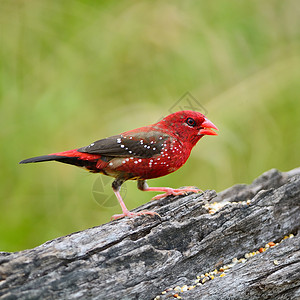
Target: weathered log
[{"x": 142, "y": 257}]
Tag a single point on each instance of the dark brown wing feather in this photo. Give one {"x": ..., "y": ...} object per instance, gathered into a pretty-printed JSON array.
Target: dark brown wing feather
[{"x": 126, "y": 145}]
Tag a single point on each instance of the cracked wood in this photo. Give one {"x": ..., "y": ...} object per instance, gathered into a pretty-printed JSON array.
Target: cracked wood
[{"x": 139, "y": 258}]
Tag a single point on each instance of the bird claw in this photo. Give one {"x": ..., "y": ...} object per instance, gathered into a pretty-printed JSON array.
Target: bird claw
[
  {"x": 130, "y": 214},
  {"x": 176, "y": 192}
]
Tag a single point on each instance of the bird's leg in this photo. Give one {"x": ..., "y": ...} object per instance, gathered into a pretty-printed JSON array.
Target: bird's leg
[
  {"x": 116, "y": 185},
  {"x": 142, "y": 185}
]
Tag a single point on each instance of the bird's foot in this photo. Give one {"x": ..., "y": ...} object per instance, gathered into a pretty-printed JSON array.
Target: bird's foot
[
  {"x": 176, "y": 192},
  {"x": 130, "y": 214}
]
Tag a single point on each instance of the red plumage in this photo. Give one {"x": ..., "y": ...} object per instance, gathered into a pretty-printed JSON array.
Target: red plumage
[{"x": 144, "y": 153}]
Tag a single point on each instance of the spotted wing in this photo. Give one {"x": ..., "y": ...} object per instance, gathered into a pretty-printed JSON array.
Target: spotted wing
[{"x": 139, "y": 145}]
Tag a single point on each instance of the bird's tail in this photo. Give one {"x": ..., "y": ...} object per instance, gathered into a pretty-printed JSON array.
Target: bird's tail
[
  {"x": 72, "y": 157},
  {"x": 41, "y": 158}
]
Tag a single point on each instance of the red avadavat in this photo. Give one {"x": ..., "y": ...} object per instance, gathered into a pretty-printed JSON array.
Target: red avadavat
[{"x": 140, "y": 154}]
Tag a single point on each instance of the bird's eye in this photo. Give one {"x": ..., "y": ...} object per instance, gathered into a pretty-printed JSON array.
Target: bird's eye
[{"x": 191, "y": 122}]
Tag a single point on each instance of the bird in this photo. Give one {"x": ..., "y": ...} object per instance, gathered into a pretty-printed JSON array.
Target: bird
[{"x": 140, "y": 154}]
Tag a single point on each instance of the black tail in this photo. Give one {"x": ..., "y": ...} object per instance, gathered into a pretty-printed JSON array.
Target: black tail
[
  {"x": 75, "y": 161},
  {"x": 41, "y": 158}
]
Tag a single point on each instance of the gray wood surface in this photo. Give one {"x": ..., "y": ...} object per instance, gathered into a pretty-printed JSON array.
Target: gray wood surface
[{"x": 140, "y": 258}]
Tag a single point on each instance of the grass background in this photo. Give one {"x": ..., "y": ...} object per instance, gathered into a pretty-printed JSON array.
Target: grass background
[{"x": 76, "y": 71}]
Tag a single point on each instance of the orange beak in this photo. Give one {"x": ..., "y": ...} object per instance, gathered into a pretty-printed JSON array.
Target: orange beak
[{"x": 207, "y": 128}]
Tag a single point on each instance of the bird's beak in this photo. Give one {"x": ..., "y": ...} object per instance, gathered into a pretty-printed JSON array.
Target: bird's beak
[{"x": 207, "y": 128}]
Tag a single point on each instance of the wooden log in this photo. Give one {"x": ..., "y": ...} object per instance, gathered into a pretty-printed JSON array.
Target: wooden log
[{"x": 140, "y": 258}]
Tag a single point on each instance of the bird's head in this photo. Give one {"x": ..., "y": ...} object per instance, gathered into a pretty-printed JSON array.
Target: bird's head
[{"x": 189, "y": 125}]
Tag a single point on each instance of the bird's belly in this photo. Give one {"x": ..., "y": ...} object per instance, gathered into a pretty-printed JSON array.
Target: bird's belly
[{"x": 144, "y": 168}]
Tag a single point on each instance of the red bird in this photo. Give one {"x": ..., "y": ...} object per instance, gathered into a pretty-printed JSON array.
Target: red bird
[{"x": 143, "y": 153}]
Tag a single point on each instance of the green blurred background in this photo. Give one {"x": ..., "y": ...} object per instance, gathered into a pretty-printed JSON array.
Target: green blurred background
[{"x": 73, "y": 72}]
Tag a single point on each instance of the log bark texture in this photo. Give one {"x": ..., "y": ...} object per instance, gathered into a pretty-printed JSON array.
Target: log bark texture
[{"x": 142, "y": 257}]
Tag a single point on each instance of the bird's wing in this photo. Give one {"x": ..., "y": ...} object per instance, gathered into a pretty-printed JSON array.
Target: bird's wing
[{"x": 136, "y": 143}]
